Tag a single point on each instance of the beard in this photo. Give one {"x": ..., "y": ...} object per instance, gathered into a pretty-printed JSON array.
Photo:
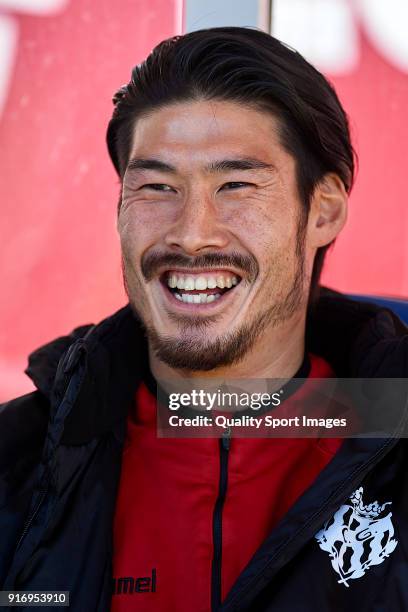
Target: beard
[{"x": 195, "y": 354}]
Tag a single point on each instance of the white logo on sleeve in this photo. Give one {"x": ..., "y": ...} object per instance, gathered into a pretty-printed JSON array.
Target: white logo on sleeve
[{"x": 358, "y": 537}]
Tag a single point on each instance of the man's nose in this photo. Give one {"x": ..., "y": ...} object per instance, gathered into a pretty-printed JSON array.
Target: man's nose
[{"x": 197, "y": 227}]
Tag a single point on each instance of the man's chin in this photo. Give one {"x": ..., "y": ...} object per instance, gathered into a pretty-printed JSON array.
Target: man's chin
[
  {"x": 201, "y": 347},
  {"x": 190, "y": 351}
]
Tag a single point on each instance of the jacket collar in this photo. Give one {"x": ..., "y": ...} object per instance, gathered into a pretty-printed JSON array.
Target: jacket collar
[{"x": 357, "y": 338}]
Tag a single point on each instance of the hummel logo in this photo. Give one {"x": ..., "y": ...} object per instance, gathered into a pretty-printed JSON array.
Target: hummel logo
[{"x": 127, "y": 585}]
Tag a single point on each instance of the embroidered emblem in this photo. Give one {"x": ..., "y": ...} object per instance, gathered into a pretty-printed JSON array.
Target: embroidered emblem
[{"x": 358, "y": 537}]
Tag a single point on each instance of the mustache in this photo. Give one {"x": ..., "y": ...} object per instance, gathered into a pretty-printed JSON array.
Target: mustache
[{"x": 152, "y": 262}]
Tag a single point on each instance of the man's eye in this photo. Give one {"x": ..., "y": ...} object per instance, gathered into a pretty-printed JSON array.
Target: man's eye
[
  {"x": 157, "y": 187},
  {"x": 235, "y": 185}
]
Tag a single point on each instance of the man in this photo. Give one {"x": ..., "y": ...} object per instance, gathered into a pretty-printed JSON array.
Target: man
[{"x": 235, "y": 163}]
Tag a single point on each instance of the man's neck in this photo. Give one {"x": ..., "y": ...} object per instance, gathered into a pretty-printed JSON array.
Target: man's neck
[{"x": 279, "y": 353}]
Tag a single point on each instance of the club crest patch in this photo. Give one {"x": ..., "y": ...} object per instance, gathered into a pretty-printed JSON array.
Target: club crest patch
[{"x": 358, "y": 537}]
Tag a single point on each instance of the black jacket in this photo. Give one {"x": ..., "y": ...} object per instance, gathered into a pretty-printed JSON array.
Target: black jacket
[{"x": 60, "y": 461}]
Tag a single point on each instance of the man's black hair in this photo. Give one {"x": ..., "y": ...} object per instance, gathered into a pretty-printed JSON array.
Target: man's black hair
[{"x": 250, "y": 67}]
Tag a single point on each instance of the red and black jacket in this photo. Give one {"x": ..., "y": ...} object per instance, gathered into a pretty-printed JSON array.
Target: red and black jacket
[{"x": 61, "y": 451}]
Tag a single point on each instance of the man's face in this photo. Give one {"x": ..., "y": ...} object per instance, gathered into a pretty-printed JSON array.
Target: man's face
[{"x": 212, "y": 232}]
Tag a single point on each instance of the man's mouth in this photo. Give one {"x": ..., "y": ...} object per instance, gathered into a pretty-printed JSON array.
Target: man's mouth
[{"x": 199, "y": 287}]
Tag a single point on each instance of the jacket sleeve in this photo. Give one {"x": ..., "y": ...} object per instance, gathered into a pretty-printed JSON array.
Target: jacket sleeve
[
  {"x": 359, "y": 339},
  {"x": 23, "y": 426}
]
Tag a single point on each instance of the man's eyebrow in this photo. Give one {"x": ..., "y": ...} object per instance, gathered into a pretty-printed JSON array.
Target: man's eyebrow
[
  {"x": 138, "y": 163},
  {"x": 247, "y": 163}
]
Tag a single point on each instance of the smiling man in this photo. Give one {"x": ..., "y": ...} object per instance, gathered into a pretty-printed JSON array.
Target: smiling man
[
  {"x": 218, "y": 250},
  {"x": 235, "y": 164}
]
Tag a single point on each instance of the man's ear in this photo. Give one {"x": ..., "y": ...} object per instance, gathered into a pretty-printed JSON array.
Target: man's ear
[
  {"x": 120, "y": 200},
  {"x": 328, "y": 211}
]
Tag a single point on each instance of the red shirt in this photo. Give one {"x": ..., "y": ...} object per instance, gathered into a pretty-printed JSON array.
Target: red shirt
[{"x": 163, "y": 528}]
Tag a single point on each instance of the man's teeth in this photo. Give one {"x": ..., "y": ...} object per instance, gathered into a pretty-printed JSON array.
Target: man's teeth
[
  {"x": 190, "y": 283},
  {"x": 197, "y": 298}
]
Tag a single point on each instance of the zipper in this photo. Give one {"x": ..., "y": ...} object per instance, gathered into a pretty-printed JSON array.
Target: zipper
[
  {"x": 42, "y": 494},
  {"x": 224, "y": 446}
]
